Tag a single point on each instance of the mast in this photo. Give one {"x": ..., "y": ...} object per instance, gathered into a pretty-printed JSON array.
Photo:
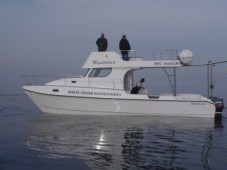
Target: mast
[
  {"x": 210, "y": 79},
  {"x": 210, "y": 85}
]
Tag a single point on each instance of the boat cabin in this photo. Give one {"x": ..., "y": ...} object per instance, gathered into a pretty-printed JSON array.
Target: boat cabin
[{"x": 107, "y": 70}]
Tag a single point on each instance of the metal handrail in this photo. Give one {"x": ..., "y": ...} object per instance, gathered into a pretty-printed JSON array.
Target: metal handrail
[{"x": 154, "y": 54}]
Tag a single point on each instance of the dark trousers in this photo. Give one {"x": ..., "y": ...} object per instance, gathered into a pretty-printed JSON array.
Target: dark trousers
[{"x": 125, "y": 56}]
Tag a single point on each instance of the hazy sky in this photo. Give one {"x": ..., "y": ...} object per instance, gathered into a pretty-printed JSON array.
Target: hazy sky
[{"x": 54, "y": 37}]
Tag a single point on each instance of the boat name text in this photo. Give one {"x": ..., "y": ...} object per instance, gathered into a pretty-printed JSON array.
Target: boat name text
[{"x": 96, "y": 62}]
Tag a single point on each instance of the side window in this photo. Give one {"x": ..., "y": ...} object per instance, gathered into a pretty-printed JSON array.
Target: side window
[{"x": 100, "y": 72}]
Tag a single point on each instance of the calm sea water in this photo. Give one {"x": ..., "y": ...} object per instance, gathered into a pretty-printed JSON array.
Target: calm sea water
[{"x": 33, "y": 140}]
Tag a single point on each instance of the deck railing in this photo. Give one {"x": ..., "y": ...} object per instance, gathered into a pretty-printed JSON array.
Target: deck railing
[{"x": 167, "y": 54}]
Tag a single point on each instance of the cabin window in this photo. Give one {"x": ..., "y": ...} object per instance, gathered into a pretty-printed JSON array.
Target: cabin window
[{"x": 100, "y": 72}]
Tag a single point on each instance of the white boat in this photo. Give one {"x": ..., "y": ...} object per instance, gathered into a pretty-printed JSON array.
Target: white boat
[{"x": 105, "y": 89}]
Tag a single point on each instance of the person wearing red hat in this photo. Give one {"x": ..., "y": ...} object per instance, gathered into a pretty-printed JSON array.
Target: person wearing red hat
[{"x": 102, "y": 43}]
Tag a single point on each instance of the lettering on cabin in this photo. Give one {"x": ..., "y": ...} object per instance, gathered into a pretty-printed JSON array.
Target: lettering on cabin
[
  {"x": 172, "y": 63},
  {"x": 157, "y": 63},
  {"x": 90, "y": 93},
  {"x": 96, "y": 62},
  {"x": 166, "y": 63}
]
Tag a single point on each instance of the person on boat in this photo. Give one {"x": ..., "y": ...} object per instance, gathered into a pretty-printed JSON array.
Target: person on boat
[
  {"x": 138, "y": 87},
  {"x": 102, "y": 43},
  {"x": 124, "y": 47}
]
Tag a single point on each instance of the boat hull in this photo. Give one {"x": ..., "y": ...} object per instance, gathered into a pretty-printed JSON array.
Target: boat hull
[{"x": 62, "y": 104}]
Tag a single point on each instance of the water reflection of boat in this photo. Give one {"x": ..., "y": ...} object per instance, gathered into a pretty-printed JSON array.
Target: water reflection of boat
[
  {"x": 108, "y": 82},
  {"x": 124, "y": 142}
]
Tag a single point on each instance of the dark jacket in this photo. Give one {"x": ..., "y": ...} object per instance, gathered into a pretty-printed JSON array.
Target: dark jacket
[
  {"x": 124, "y": 45},
  {"x": 102, "y": 44},
  {"x": 135, "y": 90}
]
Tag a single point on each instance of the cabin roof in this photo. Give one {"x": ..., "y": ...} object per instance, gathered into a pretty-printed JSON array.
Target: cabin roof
[{"x": 112, "y": 59}]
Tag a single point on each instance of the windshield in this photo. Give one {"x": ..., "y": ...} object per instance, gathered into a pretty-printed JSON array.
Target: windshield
[{"x": 100, "y": 72}]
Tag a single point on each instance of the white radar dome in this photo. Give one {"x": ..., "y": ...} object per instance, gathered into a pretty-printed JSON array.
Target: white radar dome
[{"x": 185, "y": 57}]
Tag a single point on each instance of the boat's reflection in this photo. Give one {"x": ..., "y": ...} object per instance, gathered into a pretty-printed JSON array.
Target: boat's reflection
[{"x": 123, "y": 142}]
